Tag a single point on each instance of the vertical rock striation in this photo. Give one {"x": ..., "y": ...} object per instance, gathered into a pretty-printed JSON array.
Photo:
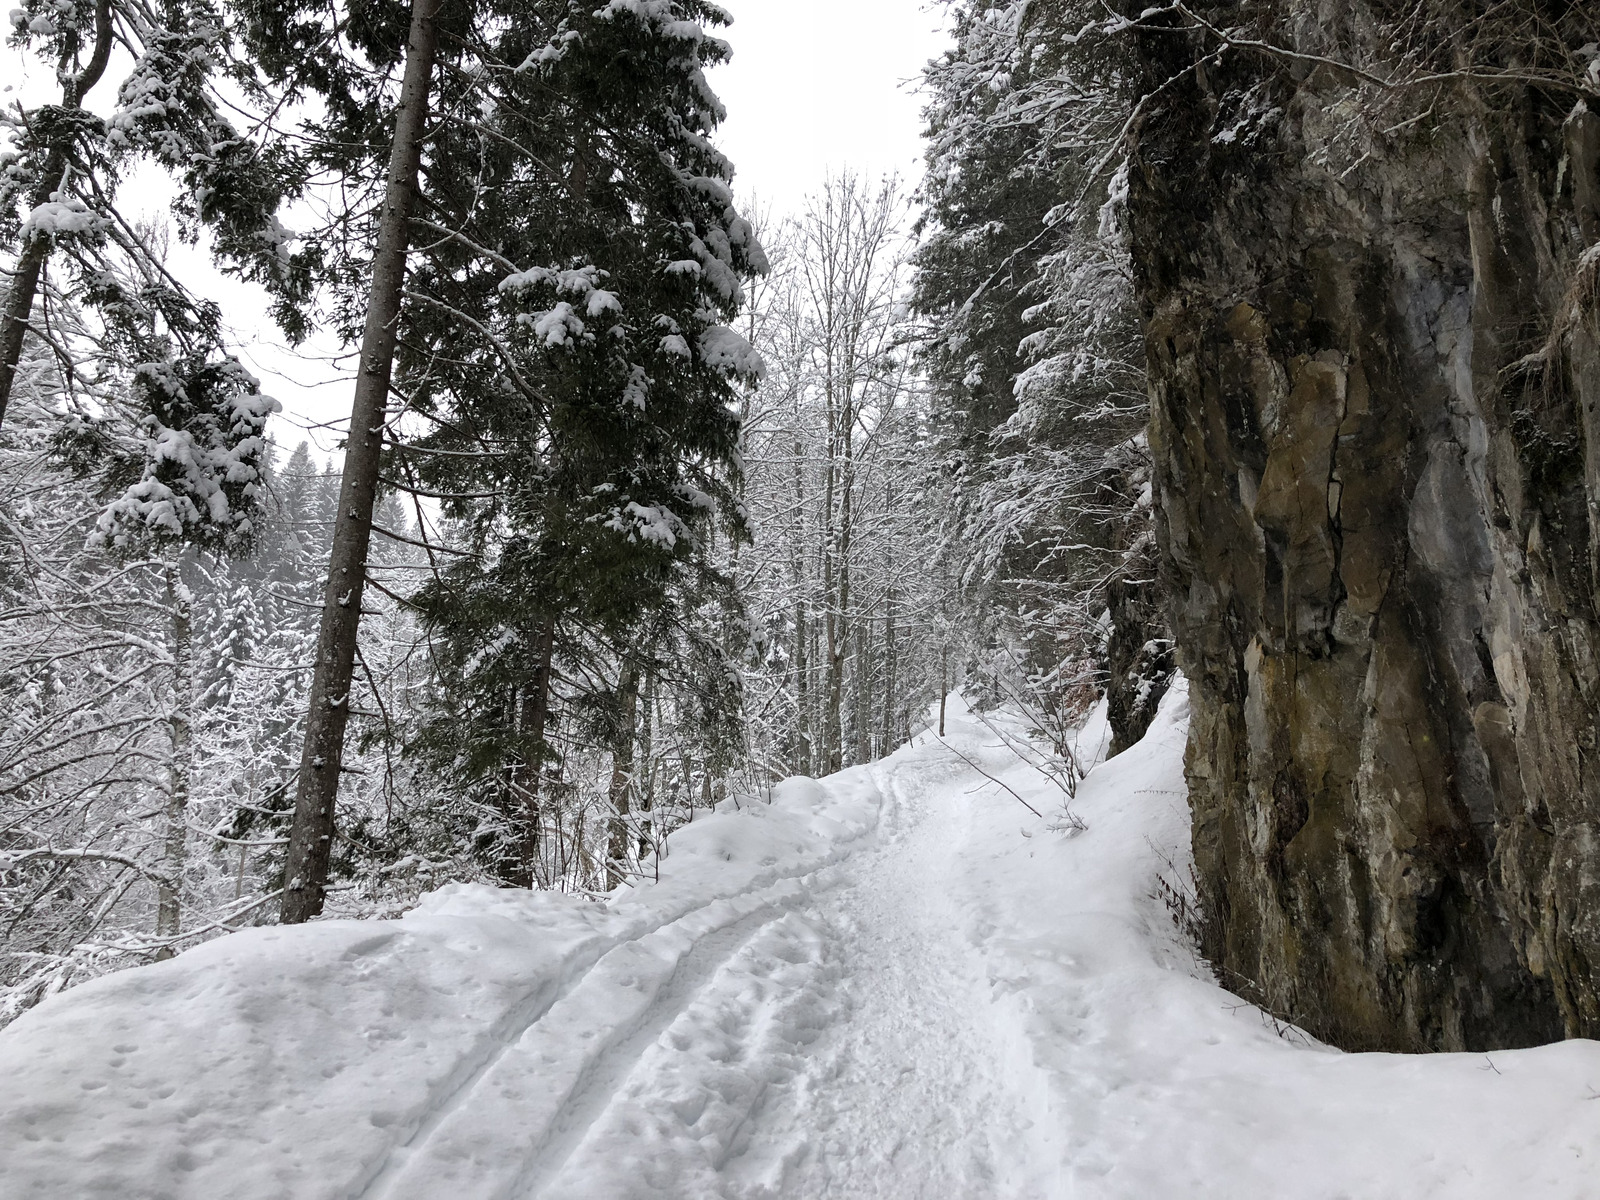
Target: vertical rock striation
[{"x": 1374, "y": 357}]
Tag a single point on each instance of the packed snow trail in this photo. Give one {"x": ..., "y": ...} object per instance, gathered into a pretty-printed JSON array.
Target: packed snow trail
[{"x": 894, "y": 983}]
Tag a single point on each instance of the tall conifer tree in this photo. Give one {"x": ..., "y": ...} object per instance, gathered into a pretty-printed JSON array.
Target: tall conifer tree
[{"x": 562, "y": 382}]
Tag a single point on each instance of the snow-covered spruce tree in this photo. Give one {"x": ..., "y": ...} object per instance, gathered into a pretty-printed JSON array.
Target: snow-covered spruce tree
[
  {"x": 590, "y": 456},
  {"x": 59, "y": 178},
  {"x": 81, "y": 718},
  {"x": 256, "y": 620},
  {"x": 563, "y": 381},
  {"x": 1036, "y": 362},
  {"x": 181, "y": 460},
  {"x": 121, "y": 480}
]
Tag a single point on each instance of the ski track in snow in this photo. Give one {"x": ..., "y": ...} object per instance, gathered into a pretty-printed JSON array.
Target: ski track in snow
[
  {"x": 833, "y": 1028},
  {"x": 894, "y": 984},
  {"x": 658, "y": 967}
]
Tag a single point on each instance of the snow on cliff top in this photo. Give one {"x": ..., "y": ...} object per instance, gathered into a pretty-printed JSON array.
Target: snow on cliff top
[{"x": 894, "y": 982}]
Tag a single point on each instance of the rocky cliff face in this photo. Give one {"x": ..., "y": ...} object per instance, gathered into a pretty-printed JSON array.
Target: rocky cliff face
[{"x": 1373, "y": 328}]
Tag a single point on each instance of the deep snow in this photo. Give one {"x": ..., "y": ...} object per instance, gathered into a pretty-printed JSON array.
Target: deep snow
[{"x": 893, "y": 983}]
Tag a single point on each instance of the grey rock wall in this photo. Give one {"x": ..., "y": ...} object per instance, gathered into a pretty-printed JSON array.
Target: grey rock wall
[{"x": 1373, "y": 328}]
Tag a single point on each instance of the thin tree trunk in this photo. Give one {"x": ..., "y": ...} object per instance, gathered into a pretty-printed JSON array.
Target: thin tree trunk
[
  {"x": 840, "y": 626},
  {"x": 802, "y": 688},
  {"x": 647, "y": 753},
  {"x": 510, "y": 866},
  {"x": 891, "y": 667},
  {"x": 819, "y": 749},
  {"x": 833, "y": 681},
  {"x": 311, "y": 838},
  {"x": 686, "y": 768},
  {"x": 838, "y": 638},
  {"x": 891, "y": 663},
  {"x": 18, "y": 308},
  {"x": 838, "y": 586},
  {"x": 804, "y": 748},
  {"x": 535, "y": 724},
  {"x": 944, "y": 683},
  {"x": 862, "y": 717},
  {"x": 180, "y": 768},
  {"x": 836, "y": 698},
  {"x": 622, "y": 775}
]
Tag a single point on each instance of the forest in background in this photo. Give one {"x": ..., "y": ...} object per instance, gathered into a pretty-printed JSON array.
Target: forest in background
[{"x": 664, "y": 502}]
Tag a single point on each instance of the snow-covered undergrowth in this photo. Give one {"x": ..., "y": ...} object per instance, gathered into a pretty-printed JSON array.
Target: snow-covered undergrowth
[{"x": 895, "y": 982}]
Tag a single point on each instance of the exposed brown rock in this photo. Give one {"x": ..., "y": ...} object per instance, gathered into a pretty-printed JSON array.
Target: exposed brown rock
[{"x": 1375, "y": 371}]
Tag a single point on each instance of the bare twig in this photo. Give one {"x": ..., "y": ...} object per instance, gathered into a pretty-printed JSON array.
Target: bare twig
[{"x": 988, "y": 776}]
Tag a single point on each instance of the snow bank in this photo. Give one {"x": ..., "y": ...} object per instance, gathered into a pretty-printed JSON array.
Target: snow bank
[
  {"x": 896, "y": 983},
  {"x": 1149, "y": 1080},
  {"x": 304, "y": 1061}
]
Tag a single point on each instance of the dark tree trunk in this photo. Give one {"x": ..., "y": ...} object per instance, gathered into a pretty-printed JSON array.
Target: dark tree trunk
[
  {"x": 622, "y": 774},
  {"x": 891, "y": 667},
  {"x": 535, "y": 727},
  {"x": 510, "y": 866},
  {"x": 862, "y": 717},
  {"x": 802, "y": 691},
  {"x": 180, "y": 769},
  {"x": 647, "y": 755},
  {"x": 30, "y": 264},
  {"x": 944, "y": 684},
  {"x": 311, "y": 839}
]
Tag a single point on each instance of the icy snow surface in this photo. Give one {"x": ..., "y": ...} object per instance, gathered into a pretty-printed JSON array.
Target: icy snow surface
[{"x": 894, "y": 983}]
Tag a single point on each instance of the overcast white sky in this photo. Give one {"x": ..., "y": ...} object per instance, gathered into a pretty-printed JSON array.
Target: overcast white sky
[
  {"x": 819, "y": 85},
  {"x": 814, "y": 86}
]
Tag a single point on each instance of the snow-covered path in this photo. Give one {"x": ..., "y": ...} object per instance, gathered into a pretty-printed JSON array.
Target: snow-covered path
[
  {"x": 895, "y": 983},
  {"x": 907, "y": 1096},
  {"x": 828, "y": 1039}
]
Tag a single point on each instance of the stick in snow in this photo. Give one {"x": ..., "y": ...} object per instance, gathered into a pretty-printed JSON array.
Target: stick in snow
[{"x": 991, "y": 778}]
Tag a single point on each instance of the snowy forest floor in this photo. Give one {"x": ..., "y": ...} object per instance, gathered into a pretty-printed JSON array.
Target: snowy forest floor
[{"x": 893, "y": 983}]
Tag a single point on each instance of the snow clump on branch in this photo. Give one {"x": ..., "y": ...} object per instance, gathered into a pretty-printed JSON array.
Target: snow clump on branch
[{"x": 201, "y": 443}]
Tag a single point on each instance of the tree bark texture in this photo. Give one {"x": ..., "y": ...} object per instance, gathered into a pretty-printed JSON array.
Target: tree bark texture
[
  {"x": 861, "y": 718},
  {"x": 535, "y": 727},
  {"x": 647, "y": 754},
  {"x": 311, "y": 838},
  {"x": 622, "y": 775},
  {"x": 804, "y": 741},
  {"x": 944, "y": 684},
  {"x": 832, "y": 624}
]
